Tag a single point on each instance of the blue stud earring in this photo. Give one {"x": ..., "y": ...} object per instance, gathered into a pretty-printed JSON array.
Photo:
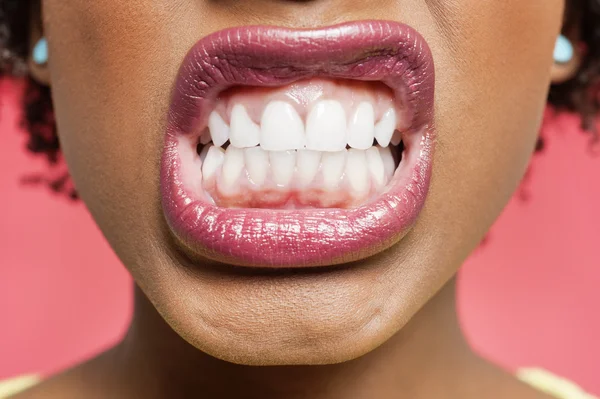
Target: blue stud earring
[
  {"x": 40, "y": 52},
  {"x": 563, "y": 51}
]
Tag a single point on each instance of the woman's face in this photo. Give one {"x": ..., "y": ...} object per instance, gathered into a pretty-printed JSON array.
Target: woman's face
[{"x": 114, "y": 66}]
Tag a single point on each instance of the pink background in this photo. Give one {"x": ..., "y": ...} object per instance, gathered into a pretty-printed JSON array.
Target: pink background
[{"x": 529, "y": 296}]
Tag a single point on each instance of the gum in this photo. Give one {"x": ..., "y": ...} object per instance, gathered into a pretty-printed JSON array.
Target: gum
[
  {"x": 245, "y": 196},
  {"x": 304, "y": 94}
]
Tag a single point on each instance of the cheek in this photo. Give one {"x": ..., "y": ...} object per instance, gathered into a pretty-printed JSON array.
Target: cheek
[
  {"x": 112, "y": 71},
  {"x": 492, "y": 77}
]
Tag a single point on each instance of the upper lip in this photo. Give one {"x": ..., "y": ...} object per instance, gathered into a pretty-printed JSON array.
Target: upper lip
[{"x": 387, "y": 51}]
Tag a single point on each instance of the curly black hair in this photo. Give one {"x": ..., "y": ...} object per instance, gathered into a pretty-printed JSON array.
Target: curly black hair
[{"x": 580, "y": 94}]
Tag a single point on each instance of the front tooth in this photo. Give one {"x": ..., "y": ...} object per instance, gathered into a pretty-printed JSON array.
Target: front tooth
[
  {"x": 282, "y": 166},
  {"x": 356, "y": 171},
  {"x": 281, "y": 128},
  {"x": 244, "y": 132},
  {"x": 388, "y": 162},
  {"x": 376, "y": 167},
  {"x": 385, "y": 128},
  {"x": 326, "y": 127},
  {"x": 308, "y": 162},
  {"x": 257, "y": 164},
  {"x": 362, "y": 127},
  {"x": 219, "y": 130},
  {"x": 232, "y": 166},
  {"x": 213, "y": 161},
  {"x": 332, "y": 165}
]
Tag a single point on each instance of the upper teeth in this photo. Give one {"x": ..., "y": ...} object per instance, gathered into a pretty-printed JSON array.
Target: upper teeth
[
  {"x": 385, "y": 128},
  {"x": 361, "y": 130},
  {"x": 281, "y": 128},
  {"x": 244, "y": 132},
  {"x": 327, "y": 128},
  {"x": 219, "y": 130}
]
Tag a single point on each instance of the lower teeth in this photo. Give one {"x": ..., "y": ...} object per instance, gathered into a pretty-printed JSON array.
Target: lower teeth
[{"x": 256, "y": 178}]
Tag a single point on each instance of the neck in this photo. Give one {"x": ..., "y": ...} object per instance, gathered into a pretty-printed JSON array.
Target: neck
[{"x": 430, "y": 348}]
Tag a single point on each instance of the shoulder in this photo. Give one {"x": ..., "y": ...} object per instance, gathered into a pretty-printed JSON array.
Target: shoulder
[
  {"x": 12, "y": 386},
  {"x": 553, "y": 385}
]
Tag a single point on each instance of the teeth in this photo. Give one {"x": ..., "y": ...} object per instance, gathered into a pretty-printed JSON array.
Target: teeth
[
  {"x": 205, "y": 138},
  {"x": 281, "y": 128},
  {"x": 204, "y": 152},
  {"x": 333, "y": 164},
  {"x": 282, "y": 166},
  {"x": 385, "y": 128},
  {"x": 388, "y": 162},
  {"x": 232, "y": 167},
  {"x": 396, "y": 138},
  {"x": 356, "y": 171},
  {"x": 362, "y": 127},
  {"x": 213, "y": 161},
  {"x": 308, "y": 162},
  {"x": 326, "y": 127},
  {"x": 257, "y": 164},
  {"x": 285, "y": 152},
  {"x": 244, "y": 132},
  {"x": 376, "y": 166},
  {"x": 219, "y": 130}
]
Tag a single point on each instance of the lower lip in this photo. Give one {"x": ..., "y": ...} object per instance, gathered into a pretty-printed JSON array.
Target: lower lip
[{"x": 269, "y": 56}]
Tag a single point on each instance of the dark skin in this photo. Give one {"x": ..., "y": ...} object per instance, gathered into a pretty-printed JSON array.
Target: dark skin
[
  {"x": 161, "y": 365},
  {"x": 112, "y": 64}
]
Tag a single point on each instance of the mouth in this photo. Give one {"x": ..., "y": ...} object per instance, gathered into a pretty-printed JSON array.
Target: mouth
[{"x": 299, "y": 148}]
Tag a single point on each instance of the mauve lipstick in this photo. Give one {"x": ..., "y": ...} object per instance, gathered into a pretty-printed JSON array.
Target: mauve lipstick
[{"x": 385, "y": 51}]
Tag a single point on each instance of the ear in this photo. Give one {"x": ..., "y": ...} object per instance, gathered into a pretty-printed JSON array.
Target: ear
[
  {"x": 38, "y": 70},
  {"x": 565, "y": 68}
]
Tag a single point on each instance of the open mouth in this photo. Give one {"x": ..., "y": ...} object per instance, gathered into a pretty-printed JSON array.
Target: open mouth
[
  {"x": 311, "y": 144},
  {"x": 299, "y": 148}
]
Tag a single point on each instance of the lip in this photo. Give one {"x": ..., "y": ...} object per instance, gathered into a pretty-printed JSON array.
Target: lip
[{"x": 384, "y": 51}]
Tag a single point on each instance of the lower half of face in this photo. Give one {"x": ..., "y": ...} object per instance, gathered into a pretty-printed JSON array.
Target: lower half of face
[{"x": 292, "y": 194}]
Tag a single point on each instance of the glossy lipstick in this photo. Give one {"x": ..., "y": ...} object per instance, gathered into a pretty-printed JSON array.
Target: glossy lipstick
[{"x": 390, "y": 52}]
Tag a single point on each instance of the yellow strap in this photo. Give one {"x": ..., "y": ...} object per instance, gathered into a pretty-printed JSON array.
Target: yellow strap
[
  {"x": 15, "y": 385},
  {"x": 552, "y": 384}
]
